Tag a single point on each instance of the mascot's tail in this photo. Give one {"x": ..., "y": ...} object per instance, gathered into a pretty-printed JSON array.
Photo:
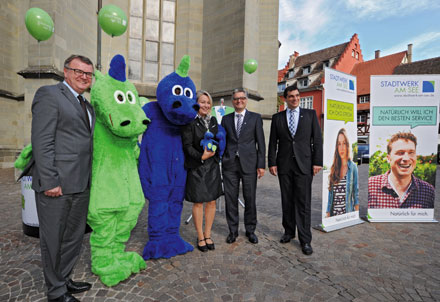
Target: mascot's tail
[
  {"x": 24, "y": 158},
  {"x": 221, "y": 137}
]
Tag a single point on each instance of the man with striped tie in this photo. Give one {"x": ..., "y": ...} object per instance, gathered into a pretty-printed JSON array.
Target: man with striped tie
[
  {"x": 295, "y": 156},
  {"x": 244, "y": 159}
]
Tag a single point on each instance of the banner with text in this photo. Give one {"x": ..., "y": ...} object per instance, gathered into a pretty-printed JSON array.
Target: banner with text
[
  {"x": 403, "y": 147},
  {"x": 340, "y": 193}
]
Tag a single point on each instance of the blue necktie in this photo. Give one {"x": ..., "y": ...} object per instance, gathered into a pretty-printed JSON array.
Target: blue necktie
[{"x": 292, "y": 123}]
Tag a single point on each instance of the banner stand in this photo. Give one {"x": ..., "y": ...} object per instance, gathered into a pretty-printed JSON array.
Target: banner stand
[
  {"x": 402, "y": 220},
  {"x": 335, "y": 227},
  {"x": 365, "y": 218}
]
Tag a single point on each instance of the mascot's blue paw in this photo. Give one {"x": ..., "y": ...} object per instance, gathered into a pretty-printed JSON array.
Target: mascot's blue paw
[
  {"x": 208, "y": 142},
  {"x": 166, "y": 248}
]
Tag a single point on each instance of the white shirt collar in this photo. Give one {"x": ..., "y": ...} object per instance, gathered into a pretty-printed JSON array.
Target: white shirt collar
[
  {"x": 75, "y": 94},
  {"x": 243, "y": 113}
]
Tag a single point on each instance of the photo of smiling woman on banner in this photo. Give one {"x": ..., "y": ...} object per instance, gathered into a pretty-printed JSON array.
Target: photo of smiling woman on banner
[{"x": 343, "y": 196}]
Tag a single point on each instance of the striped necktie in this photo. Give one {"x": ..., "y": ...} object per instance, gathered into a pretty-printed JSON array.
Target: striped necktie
[{"x": 239, "y": 123}]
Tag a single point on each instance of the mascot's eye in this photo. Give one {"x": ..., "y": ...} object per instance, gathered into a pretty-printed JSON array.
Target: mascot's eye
[
  {"x": 177, "y": 90},
  {"x": 131, "y": 97},
  {"x": 188, "y": 92},
  {"x": 119, "y": 97}
]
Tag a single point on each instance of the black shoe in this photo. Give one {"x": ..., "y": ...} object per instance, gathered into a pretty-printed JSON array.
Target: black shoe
[
  {"x": 252, "y": 237},
  {"x": 210, "y": 246},
  {"x": 77, "y": 287},
  {"x": 286, "y": 238},
  {"x": 231, "y": 238},
  {"x": 306, "y": 249},
  {"x": 202, "y": 248},
  {"x": 64, "y": 298}
]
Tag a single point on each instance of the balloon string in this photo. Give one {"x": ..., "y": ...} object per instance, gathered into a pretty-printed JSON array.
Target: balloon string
[
  {"x": 108, "y": 53},
  {"x": 39, "y": 66}
]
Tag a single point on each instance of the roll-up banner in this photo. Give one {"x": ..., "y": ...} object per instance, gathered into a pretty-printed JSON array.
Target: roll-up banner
[
  {"x": 403, "y": 148},
  {"x": 340, "y": 193}
]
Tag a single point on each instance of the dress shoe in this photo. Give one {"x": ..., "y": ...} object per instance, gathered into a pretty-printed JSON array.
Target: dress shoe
[
  {"x": 306, "y": 249},
  {"x": 252, "y": 237},
  {"x": 211, "y": 246},
  {"x": 286, "y": 238},
  {"x": 64, "y": 298},
  {"x": 74, "y": 287},
  {"x": 231, "y": 238},
  {"x": 202, "y": 248}
]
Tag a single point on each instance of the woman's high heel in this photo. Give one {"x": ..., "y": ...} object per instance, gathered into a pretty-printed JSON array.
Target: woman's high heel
[
  {"x": 210, "y": 246},
  {"x": 202, "y": 248}
]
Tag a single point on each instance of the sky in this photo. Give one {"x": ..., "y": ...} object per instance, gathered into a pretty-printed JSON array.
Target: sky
[{"x": 386, "y": 25}]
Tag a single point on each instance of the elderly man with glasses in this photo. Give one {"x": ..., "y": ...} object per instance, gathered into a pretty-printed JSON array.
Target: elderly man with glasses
[{"x": 62, "y": 129}]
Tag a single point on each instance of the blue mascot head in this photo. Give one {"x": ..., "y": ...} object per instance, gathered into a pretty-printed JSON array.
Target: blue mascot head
[{"x": 176, "y": 95}]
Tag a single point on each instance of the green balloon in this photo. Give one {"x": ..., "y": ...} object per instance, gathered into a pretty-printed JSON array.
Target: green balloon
[
  {"x": 112, "y": 20},
  {"x": 39, "y": 24},
  {"x": 250, "y": 65}
]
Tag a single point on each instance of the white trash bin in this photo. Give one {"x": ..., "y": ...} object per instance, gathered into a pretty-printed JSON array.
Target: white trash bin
[{"x": 29, "y": 208}]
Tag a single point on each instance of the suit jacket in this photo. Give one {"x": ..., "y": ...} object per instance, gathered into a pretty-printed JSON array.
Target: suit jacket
[
  {"x": 250, "y": 145},
  {"x": 61, "y": 141},
  {"x": 305, "y": 147},
  {"x": 192, "y": 134}
]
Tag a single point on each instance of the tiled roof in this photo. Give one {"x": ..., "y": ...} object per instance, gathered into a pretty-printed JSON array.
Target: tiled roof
[
  {"x": 429, "y": 66},
  {"x": 320, "y": 55},
  {"x": 316, "y": 57},
  {"x": 381, "y": 66}
]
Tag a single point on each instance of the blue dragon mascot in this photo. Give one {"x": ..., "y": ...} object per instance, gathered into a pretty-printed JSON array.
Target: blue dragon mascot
[{"x": 161, "y": 162}]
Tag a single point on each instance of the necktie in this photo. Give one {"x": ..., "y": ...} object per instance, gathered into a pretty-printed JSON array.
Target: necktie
[
  {"x": 292, "y": 123},
  {"x": 83, "y": 105},
  {"x": 239, "y": 123}
]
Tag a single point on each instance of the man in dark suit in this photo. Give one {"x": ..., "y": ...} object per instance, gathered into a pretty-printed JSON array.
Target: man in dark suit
[
  {"x": 295, "y": 155},
  {"x": 244, "y": 159},
  {"x": 62, "y": 128}
]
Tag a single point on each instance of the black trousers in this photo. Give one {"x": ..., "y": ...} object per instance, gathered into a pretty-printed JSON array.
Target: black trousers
[
  {"x": 231, "y": 180},
  {"x": 296, "y": 192},
  {"x": 62, "y": 223}
]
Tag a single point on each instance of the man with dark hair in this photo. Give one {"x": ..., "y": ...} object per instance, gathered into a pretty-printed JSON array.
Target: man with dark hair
[
  {"x": 398, "y": 187},
  {"x": 62, "y": 128},
  {"x": 295, "y": 156},
  {"x": 244, "y": 159}
]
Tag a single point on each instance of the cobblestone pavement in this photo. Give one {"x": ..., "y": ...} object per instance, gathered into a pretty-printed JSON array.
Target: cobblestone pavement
[{"x": 367, "y": 262}]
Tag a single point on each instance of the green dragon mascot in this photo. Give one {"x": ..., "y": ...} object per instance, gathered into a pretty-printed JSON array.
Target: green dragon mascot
[{"x": 116, "y": 197}]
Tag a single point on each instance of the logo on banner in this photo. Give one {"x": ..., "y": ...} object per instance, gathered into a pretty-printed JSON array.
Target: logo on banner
[
  {"x": 409, "y": 88},
  {"x": 428, "y": 86},
  {"x": 343, "y": 83}
]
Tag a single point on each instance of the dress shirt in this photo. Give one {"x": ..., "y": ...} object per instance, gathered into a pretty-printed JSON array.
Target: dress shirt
[
  {"x": 243, "y": 113},
  {"x": 76, "y": 97},
  {"x": 295, "y": 113}
]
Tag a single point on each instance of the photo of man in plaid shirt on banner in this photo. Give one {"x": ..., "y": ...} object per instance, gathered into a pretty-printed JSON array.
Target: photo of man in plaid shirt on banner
[{"x": 398, "y": 187}]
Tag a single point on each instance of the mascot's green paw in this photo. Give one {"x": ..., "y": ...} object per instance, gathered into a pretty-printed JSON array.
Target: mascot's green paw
[
  {"x": 132, "y": 260},
  {"x": 110, "y": 271}
]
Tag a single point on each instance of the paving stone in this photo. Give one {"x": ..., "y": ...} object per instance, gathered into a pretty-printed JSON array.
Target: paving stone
[{"x": 368, "y": 262}]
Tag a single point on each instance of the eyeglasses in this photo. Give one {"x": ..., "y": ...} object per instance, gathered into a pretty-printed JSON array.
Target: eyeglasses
[
  {"x": 79, "y": 72},
  {"x": 242, "y": 98}
]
